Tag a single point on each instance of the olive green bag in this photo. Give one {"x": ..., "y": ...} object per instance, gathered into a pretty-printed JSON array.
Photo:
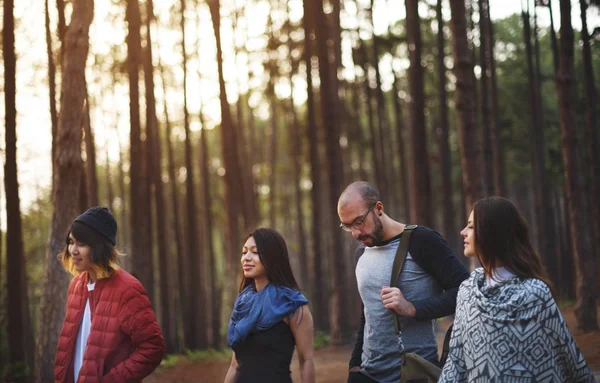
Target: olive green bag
[{"x": 415, "y": 369}]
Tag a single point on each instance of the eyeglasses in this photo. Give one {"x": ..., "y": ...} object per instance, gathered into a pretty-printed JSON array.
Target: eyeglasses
[{"x": 359, "y": 222}]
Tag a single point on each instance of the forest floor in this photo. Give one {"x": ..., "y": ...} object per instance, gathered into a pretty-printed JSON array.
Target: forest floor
[{"x": 331, "y": 363}]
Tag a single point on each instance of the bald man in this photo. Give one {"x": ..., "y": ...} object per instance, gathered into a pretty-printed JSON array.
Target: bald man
[{"x": 426, "y": 288}]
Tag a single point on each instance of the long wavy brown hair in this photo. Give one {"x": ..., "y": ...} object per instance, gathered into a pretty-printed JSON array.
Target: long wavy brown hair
[{"x": 502, "y": 239}]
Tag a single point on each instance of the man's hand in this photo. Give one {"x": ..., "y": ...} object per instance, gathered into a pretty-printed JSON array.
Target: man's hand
[
  {"x": 393, "y": 299},
  {"x": 355, "y": 369}
]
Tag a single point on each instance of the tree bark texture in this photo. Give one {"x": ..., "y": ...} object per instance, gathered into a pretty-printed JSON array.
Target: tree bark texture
[
  {"x": 585, "y": 309},
  {"x": 67, "y": 163},
  {"x": 465, "y": 105}
]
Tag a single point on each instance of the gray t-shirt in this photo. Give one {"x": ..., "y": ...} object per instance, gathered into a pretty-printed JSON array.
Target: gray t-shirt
[{"x": 381, "y": 347}]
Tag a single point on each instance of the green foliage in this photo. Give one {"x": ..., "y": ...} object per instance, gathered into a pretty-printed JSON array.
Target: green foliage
[
  {"x": 190, "y": 356},
  {"x": 321, "y": 340},
  {"x": 16, "y": 373},
  {"x": 36, "y": 231},
  {"x": 195, "y": 356},
  {"x": 565, "y": 303}
]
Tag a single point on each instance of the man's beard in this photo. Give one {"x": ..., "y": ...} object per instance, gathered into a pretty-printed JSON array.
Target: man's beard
[{"x": 376, "y": 235}]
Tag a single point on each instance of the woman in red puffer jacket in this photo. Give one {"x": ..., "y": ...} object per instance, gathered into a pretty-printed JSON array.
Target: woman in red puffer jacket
[{"x": 110, "y": 332}]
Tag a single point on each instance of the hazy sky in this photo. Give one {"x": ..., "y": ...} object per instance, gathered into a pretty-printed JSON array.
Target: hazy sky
[{"x": 33, "y": 125}]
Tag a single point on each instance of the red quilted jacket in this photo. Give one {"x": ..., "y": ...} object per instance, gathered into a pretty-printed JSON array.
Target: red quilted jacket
[{"x": 125, "y": 342}]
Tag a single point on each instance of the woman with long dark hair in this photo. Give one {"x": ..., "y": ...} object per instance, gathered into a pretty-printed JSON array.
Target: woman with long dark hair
[
  {"x": 270, "y": 316},
  {"x": 110, "y": 332},
  {"x": 507, "y": 325}
]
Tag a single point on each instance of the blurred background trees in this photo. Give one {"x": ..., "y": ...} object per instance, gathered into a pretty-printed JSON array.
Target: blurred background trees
[{"x": 196, "y": 122}]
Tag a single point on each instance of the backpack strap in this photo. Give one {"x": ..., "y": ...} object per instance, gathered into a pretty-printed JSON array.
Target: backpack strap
[{"x": 400, "y": 258}]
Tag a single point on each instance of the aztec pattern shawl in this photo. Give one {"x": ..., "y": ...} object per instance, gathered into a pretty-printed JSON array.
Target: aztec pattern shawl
[
  {"x": 513, "y": 332},
  {"x": 259, "y": 311}
]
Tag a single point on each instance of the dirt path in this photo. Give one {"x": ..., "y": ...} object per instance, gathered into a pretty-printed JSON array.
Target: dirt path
[{"x": 331, "y": 363}]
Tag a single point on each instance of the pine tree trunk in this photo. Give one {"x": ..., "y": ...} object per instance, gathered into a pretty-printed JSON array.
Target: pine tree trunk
[
  {"x": 215, "y": 286},
  {"x": 497, "y": 147},
  {"x": 3, "y": 308},
  {"x": 272, "y": 146},
  {"x": 18, "y": 353},
  {"x": 297, "y": 154},
  {"x": 382, "y": 121},
  {"x": 358, "y": 138},
  {"x": 553, "y": 40},
  {"x": 124, "y": 227},
  {"x": 197, "y": 338},
  {"x": 321, "y": 307},
  {"x": 181, "y": 301},
  {"x": 418, "y": 160},
  {"x": 51, "y": 78},
  {"x": 247, "y": 132},
  {"x": 110, "y": 197},
  {"x": 538, "y": 154},
  {"x": 446, "y": 190},
  {"x": 585, "y": 310},
  {"x": 155, "y": 175},
  {"x": 91, "y": 178},
  {"x": 66, "y": 188},
  {"x": 486, "y": 131},
  {"x": 465, "y": 105},
  {"x": 591, "y": 133},
  {"x": 234, "y": 188},
  {"x": 340, "y": 329},
  {"x": 401, "y": 133},
  {"x": 141, "y": 257}
]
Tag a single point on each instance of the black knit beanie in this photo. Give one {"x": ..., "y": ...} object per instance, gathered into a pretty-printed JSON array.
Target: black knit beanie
[{"x": 101, "y": 220}]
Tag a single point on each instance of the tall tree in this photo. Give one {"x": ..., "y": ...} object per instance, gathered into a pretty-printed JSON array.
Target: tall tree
[
  {"x": 234, "y": 188},
  {"x": 484, "y": 81},
  {"x": 138, "y": 190},
  {"x": 541, "y": 199},
  {"x": 51, "y": 76},
  {"x": 465, "y": 105},
  {"x": 215, "y": 286},
  {"x": 374, "y": 131},
  {"x": 418, "y": 160},
  {"x": 110, "y": 194},
  {"x": 496, "y": 138},
  {"x": 443, "y": 132},
  {"x": 383, "y": 130},
  {"x": 296, "y": 154},
  {"x": 592, "y": 131},
  {"x": 330, "y": 110},
  {"x": 273, "y": 145},
  {"x": 374, "y": 140},
  {"x": 91, "y": 178},
  {"x": 553, "y": 39},
  {"x": 585, "y": 310},
  {"x": 3, "y": 308},
  {"x": 316, "y": 192},
  {"x": 18, "y": 353},
  {"x": 155, "y": 173},
  {"x": 124, "y": 228},
  {"x": 197, "y": 336},
  {"x": 245, "y": 121},
  {"x": 182, "y": 299},
  {"x": 66, "y": 188}
]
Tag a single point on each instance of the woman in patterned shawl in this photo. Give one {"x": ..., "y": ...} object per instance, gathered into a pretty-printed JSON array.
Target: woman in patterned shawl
[{"x": 507, "y": 327}]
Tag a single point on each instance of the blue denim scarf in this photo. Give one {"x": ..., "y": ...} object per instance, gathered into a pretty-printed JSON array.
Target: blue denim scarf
[{"x": 259, "y": 311}]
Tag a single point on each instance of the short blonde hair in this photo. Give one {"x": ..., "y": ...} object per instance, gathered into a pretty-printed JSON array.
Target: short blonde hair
[{"x": 101, "y": 272}]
